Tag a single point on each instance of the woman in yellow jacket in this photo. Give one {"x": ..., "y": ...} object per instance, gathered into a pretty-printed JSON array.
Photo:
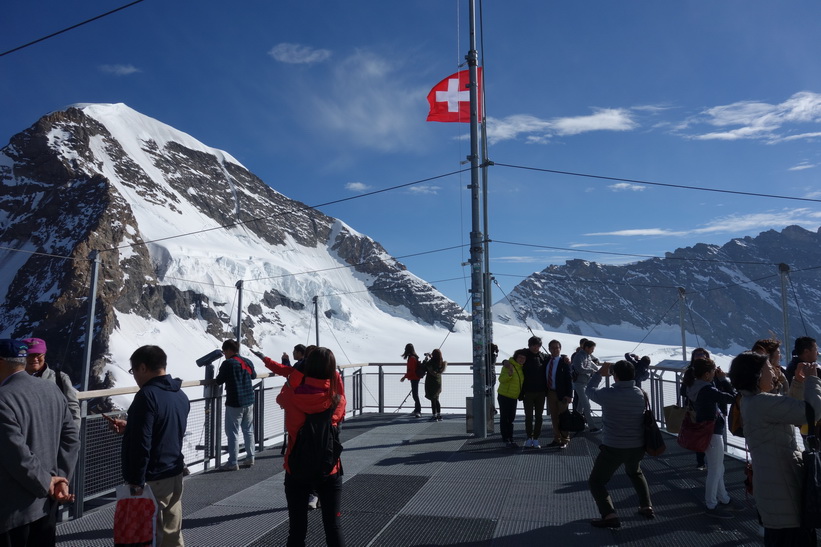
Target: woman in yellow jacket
[{"x": 510, "y": 385}]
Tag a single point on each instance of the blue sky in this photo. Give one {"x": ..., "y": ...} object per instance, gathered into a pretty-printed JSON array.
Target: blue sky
[{"x": 326, "y": 100}]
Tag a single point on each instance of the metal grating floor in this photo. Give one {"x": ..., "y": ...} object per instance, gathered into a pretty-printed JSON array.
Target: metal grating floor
[{"x": 411, "y": 482}]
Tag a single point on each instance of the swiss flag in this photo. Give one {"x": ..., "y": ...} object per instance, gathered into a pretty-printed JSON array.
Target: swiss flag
[{"x": 450, "y": 99}]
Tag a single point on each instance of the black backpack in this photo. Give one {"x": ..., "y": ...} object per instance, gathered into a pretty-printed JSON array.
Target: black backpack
[{"x": 316, "y": 448}]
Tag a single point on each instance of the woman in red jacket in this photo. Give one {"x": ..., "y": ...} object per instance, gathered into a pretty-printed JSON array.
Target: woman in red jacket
[
  {"x": 316, "y": 389},
  {"x": 412, "y": 375}
]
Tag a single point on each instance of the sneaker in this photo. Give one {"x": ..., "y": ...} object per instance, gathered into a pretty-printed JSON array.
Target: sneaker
[
  {"x": 229, "y": 467},
  {"x": 535, "y": 444},
  {"x": 512, "y": 444},
  {"x": 554, "y": 444},
  {"x": 719, "y": 512},
  {"x": 529, "y": 443},
  {"x": 417, "y": 414},
  {"x": 433, "y": 419},
  {"x": 702, "y": 468},
  {"x": 313, "y": 502},
  {"x": 563, "y": 445},
  {"x": 438, "y": 417},
  {"x": 247, "y": 462}
]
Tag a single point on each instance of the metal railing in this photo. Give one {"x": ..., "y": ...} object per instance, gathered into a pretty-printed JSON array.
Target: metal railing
[
  {"x": 372, "y": 387},
  {"x": 99, "y": 468}
]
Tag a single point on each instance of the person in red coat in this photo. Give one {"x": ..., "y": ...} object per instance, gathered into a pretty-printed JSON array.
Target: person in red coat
[
  {"x": 317, "y": 388},
  {"x": 412, "y": 375}
]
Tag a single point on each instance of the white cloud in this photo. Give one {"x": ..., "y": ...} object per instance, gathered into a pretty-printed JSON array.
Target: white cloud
[
  {"x": 119, "y": 70},
  {"x": 801, "y": 166},
  {"x": 357, "y": 187},
  {"x": 759, "y": 120},
  {"x": 298, "y": 54},
  {"x": 425, "y": 189},
  {"x": 538, "y": 131},
  {"x": 604, "y": 119},
  {"x": 624, "y": 186},
  {"x": 732, "y": 224}
]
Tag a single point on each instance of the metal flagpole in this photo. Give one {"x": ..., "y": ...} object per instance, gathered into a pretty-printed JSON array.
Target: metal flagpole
[{"x": 476, "y": 241}]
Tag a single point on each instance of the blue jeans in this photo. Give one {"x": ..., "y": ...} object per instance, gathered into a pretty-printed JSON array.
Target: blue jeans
[{"x": 236, "y": 417}]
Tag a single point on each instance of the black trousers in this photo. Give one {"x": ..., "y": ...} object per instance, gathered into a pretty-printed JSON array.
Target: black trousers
[
  {"x": 40, "y": 533},
  {"x": 507, "y": 413},
  {"x": 329, "y": 492},
  {"x": 415, "y": 394}
]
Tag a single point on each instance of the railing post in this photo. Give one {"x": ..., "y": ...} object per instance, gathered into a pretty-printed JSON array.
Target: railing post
[
  {"x": 259, "y": 419},
  {"x": 381, "y": 390}
]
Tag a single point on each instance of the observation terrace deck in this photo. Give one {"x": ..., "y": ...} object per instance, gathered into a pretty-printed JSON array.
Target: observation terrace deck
[{"x": 413, "y": 482}]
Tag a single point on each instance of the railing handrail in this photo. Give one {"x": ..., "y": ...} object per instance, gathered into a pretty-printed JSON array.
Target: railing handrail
[{"x": 110, "y": 392}]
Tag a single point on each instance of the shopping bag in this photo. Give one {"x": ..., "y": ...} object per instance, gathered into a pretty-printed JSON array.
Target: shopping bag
[
  {"x": 135, "y": 517},
  {"x": 673, "y": 416}
]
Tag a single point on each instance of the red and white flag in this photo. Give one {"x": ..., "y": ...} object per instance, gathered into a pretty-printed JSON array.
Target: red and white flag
[{"x": 450, "y": 99}]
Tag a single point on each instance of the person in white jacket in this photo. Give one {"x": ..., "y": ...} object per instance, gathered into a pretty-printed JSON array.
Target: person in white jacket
[{"x": 769, "y": 427}]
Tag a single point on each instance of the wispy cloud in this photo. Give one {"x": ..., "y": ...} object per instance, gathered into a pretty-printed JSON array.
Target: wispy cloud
[
  {"x": 298, "y": 54},
  {"x": 357, "y": 187},
  {"x": 364, "y": 99},
  {"x": 733, "y": 224},
  {"x": 759, "y": 120},
  {"x": 519, "y": 259},
  {"x": 536, "y": 130},
  {"x": 626, "y": 186},
  {"x": 425, "y": 189},
  {"x": 119, "y": 70},
  {"x": 801, "y": 166}
]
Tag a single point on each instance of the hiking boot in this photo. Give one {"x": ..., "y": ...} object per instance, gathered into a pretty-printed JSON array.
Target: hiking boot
[
  {"x": 719, "y": 512},
  {"x": 229, "y": 467}
]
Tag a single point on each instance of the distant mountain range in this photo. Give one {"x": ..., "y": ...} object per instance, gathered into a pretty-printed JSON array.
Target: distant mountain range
[{"x": 732, "y": 294}]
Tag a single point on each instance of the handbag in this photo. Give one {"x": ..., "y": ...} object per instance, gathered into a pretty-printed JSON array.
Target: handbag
[
  {"x": 135, "y": 517},
  {"x": 572, "y": 420},
  {"x": 654, "y": 444},
  {"x": 695, "y": 436},
  {"x": 811, "y": 494},
  {"x": 673, "y": 416}
]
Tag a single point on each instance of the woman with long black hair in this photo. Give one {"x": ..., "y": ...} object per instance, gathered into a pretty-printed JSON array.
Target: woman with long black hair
[
  {"x": 412, "y": 375},
  {"x": 435, "y": 366}
]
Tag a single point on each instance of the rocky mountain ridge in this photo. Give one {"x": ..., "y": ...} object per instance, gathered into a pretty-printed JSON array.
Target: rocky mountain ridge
[
  {"x": 176, "y": 224},
  {"x": 732, "y": 294}
]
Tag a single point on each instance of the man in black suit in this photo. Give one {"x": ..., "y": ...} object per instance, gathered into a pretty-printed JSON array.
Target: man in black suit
[{"x": 559, "y": 390}]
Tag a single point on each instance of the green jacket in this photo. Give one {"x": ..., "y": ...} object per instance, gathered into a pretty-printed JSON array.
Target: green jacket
[{"x": 510, "y": 384}]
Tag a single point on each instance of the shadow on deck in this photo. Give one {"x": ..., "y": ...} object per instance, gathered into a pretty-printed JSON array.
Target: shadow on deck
[{"x": 413, "y": 482}]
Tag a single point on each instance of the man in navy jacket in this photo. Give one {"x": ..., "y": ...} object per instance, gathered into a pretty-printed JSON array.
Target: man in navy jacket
[{"x": 152, "y": 440}]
